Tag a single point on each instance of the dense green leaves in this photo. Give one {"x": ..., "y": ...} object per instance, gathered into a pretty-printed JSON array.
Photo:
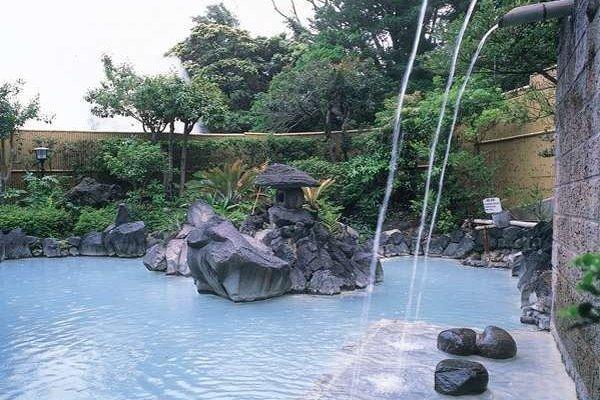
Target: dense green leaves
[
  {"x": 587, "y": 312},
  {"x": 241, "y": 65}
]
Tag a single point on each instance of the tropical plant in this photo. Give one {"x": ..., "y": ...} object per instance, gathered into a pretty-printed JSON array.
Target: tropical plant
[
  {"x": 228, "y": 185},
  {"x": 314, "y": 195},
  {"x": 588, "y": 312},
  {"x": 44, "y": 191}
]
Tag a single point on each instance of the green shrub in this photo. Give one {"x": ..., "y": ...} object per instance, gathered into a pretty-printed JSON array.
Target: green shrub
[
  {"x": 588, "y": 312},
  {"x": 45, "y": 191},
  {"x": 135, "y": 162},
  {"x": 42, "y": 221},
  {"x": 149, "y": 204},
  {"x": 91, "y": 219}
]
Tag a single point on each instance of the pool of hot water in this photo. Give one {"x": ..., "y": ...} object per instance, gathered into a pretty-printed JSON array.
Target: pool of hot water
[{"x": 100, "y": 328}]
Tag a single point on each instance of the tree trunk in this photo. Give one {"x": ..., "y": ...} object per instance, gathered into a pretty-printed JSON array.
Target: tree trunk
[
  {"x": 168, "y": 180},
  {"x": 329, "y": 136},
  {"x": 345, "y": 145},
  {"x": 187, "y": 129}
]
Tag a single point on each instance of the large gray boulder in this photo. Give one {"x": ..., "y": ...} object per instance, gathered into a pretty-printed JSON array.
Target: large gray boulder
[
  {"x": 90, "y": 192},
  {"x": 155, "y": 259},
  {"x": 52, "y": 248},
  {"x": 92, "y": 245},
  {"x": 176, "y": 255},
  {"x": 126, "y": 240},
  {"x": 460, "y": 249},
  {"x": 496, "y": 343},
  {"x": 15, "y": 244},
  {"x": 460, "y": 377},
  {"x": 222, "y": 261}
]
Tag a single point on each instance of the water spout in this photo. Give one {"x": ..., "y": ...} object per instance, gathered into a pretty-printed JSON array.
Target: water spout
[{"x": 536, "y": 12}]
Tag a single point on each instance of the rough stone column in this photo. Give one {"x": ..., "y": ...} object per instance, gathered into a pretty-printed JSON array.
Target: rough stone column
[{"x": 577, "y": 189}]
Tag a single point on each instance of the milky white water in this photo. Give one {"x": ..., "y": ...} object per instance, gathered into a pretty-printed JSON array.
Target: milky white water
[{"x": 102, "y": 328}]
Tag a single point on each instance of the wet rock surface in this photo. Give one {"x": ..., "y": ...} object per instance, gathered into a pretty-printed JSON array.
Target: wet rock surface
[
  {"x": 222, "y": 261},
  {"x": 496, "y": 343},
  {"x": 458, "y": 341},
  {"x": 460, "y": 377},
  {"x": 92, "y": 245},
  {"x": 15, "y": 244},
  {"x": 155, "y": 259}
]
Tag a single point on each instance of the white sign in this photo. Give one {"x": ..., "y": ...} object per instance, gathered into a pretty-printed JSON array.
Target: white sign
[{"x": 492, "y": 205}]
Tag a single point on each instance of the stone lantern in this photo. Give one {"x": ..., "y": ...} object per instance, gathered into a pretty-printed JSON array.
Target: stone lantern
[{"x": 288, "y": 181}]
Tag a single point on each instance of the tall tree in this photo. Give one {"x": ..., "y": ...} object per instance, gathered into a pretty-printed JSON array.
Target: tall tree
[
  {"x": 125, "y": 93},
  {"x": 14, "y": 114},
  {"x": 381, "y": 29},
  {"x": 241, "y": 65},
  {"x": 326, "y": 88}
]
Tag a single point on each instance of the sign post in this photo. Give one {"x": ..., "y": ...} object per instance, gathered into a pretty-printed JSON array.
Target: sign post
[{"x": 492, "y": 205}]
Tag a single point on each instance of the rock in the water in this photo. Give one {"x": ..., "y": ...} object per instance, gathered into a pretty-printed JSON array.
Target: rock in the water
[
  {"x": 324, "y": 282},
  {"x": 92, "y": 245},
  {"x": 73, "y": 241},
  {"x": 51, "y": 248},
  {"x": 461, "y": 249},
  {"x": 458, "y": 341},
  {"x": 89, "y": 192},
  {"x": 126, "y": 240},
  {"x": 438, "y": 244},
  {"x": 496, "y": 343},
  {"x": 15, "y": 244},
  {"x": 281, "y": 216},
  {"x": 460, "y": 377},
  {"x": 176, "y": 256},
  {"x": 224, "y": 262},
  {"x": 155, "y": 260}
]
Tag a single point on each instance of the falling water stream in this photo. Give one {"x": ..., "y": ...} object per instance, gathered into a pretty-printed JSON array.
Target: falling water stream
[
  {"x": 432, "y": 150},
  {"x": 397, "y": 142},
  {"x": 459, "y": 96}
]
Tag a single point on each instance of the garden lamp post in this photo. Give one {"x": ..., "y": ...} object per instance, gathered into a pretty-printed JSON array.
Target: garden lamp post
[{"x": 41, "y": 155}]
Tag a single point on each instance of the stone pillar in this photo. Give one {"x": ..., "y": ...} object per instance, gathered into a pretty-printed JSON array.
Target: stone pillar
[{"x": 577, "y": 187}]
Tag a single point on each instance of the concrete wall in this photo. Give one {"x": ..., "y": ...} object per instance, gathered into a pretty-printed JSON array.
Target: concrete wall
[{"x": 577, "y": 188}]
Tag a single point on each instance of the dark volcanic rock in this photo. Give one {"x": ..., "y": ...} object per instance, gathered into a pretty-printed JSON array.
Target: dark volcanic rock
[
  {"x": 324, "y": 282},
  {"x": 283, "y": 176},
  {"x": 224, "y": 262},
  {"x": 460, "y": 377},
  {"x": 155, "y": 260},
  {"x": 281, "y": 216},
  {"x": 126, "y": 240},
  {"x": 254, "y": 223},
  {"x": 458, "y": 341},
  {"x": 51, "y": 248},
  {"x": 15, "y": 244},
  {"x": 438, "y": 244},
  {"x": 496, "y": 343},
  {"x": 460, "y": 249},
  {"x": 89, "y": 192},
  {"x": 92, "y": 245},
  {"x": 122, "y": 215}
]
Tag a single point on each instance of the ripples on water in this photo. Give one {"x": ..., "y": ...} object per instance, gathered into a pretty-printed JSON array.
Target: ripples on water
[{"x": 87, "y": 328}]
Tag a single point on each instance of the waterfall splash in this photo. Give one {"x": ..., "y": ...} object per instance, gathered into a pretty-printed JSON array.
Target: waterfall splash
[
  {"x": 459, "y": 96},
  {"x": 397, "y": 142},
  {"x": 432, "y": 150}
]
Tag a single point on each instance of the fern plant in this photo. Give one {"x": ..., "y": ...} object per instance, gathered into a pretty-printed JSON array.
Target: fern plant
[
  {"x": 328, "y": 213},
  {"x": 229, "y": 185},
  {"x": 588, "y": 312}
]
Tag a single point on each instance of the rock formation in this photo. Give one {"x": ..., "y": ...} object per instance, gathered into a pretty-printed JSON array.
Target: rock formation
[
  {"x": 125, "y": 238},
  {"x": 89, "y": 192},
  {"x": 321, "y": 262}
]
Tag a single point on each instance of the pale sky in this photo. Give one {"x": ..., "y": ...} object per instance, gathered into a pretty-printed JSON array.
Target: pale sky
[{"x": 56, "y": 45}]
